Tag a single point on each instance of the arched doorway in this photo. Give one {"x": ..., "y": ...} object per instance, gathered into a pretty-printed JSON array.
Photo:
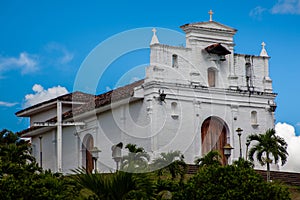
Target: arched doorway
[
  {"x": 87, "y": 159},
  {"x": 214, "y": 136}
]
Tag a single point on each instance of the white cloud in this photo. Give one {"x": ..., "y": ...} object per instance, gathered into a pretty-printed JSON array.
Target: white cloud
[
  {"x": 108, "y": 88},
  {"x": 257, "y": 12},
  {"x": 41, "y": 94},
  {"x": 7, "y": 104},
  {"x": 287, "y": 132},
  {"x": 134, "y": 79},
  {"x": 286, "y": 7},
  {"x": 25, "y": 62},
  {"x": 63, "y": 55}
]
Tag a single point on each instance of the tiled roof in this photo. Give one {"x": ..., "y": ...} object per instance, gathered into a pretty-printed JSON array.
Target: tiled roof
[
  {"x": 217, "y": 49},
  {"x": 75, "y": 96},
  {"x": 108, "y": 97},
  {"x": 96, "y": 102}
]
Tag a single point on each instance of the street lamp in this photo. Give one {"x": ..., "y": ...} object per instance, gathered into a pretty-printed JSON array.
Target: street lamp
[
  {"x": 239, "y": 131},
  {"x": 247, "y": 144},
  {"x": 41, "y": 151},
  {"x": 227, "y": 151},
  {"x": 95, "y": 155},
  {"x": 117, "y": 153}
]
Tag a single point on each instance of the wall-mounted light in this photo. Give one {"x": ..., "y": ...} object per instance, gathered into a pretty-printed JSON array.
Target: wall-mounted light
[
  {"x": 162, "y": 96},
  {"x": 272, "y": 105}
]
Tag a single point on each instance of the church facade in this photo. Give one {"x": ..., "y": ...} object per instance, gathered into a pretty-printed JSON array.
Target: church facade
[{"x": 192, "y": 99}]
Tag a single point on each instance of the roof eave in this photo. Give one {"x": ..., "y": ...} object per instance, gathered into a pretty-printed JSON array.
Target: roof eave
[{"x": 31, "y": 111}]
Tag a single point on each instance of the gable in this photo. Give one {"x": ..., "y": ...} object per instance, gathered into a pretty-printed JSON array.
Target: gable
[{"x": 211, "y": 25}]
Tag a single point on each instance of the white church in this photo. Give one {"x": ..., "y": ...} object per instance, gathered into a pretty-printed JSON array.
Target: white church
[{"x": 192, "y": 99}]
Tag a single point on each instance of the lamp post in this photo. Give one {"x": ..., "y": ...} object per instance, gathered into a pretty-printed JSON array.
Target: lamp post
[
  {"x": 95, "y": 155},
  {"x": 239, "y": 132},
  {"x": 117, "y": 153},
  {"x": 247, "y": 145},
  {"x": 227, "y": 151},
  {"x": 41, "y": 151}
]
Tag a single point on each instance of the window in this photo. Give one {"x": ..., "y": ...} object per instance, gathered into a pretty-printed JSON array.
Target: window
[
  {"x": 249, "y": 71},
  {"x": 174, "y": 110},
  {"x": 211, "y": 73},
  {"x": 174, "y": 60},
  {"x": 253, "y": 118}
]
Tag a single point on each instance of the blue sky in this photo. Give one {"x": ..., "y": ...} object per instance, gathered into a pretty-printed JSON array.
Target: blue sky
[{"x": 43, "y": 43}]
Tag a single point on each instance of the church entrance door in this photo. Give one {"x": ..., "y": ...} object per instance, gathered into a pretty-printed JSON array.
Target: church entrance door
[
  {"x": 214, "y": 135},
  {"x": 87, "y": 159}
]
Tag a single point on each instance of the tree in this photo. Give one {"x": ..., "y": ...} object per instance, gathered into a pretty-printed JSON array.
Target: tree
[
  {"x": 15, "y": 156},
  {"x": 136, "y": 160},
  {"x": 231, "y": 182},
  {"x": 268, "y": 146},
  {"x": 242, "y": 163},
  {"x": 212, "y": 158},
  {"x": 172, "y": 162},
  {"x": 22, "y": 178}
]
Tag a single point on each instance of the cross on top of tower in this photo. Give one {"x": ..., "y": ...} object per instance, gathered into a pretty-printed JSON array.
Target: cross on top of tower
[
  {"x": 154, "y": 37},
  {"x": 263, "y": 52},
  {"x": 210, "y": 15}
]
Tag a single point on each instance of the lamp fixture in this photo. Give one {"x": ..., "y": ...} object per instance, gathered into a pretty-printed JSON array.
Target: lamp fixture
[
  {"x": 227, "y": 151},
  {"x": 162, "y": 96},
  {"x": 272, "y": 105}
]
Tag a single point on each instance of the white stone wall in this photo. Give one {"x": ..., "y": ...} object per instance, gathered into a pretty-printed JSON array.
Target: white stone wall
[{"x": 48, "y": 114}]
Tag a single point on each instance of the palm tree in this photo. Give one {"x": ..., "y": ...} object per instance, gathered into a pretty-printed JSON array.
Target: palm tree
[
  {"x": 172, "y": 162},
  {"x": 116, "y": 186},
  {"x": 212, "y": 158},
  {"x": 136, "y": 160},
  {"x": 268, "y": 144}
]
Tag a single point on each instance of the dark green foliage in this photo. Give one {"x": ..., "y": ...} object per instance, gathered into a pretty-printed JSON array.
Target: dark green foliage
[
  {"x": 171, "y": 162},
  {"x": 21, "y": 178},
  {"x": 169, "y": 189},
  {"x": 242, "y": 163},
  {"x": 120, "y": 185},
  {"x": 212, "y": 158},
  {"x": 232, "y": 182}
]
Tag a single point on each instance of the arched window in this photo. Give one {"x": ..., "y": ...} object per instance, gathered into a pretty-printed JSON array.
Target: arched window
[
  {"x": 211, "y": 77},
  {"x": 254, "y": 118},
  {"x": 174, "y": 60}
]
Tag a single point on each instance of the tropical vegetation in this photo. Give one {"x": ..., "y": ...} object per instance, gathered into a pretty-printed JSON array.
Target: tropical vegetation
[
  {"x": 268, "y": 148},
  {"x": 165, "y": 177},
  {"x": 22, "y": 178}
]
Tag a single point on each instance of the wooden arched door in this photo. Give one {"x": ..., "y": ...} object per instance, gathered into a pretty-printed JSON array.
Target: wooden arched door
[
  {"x": 214, "y": 136},
  {"x": 87, "y": 159}
]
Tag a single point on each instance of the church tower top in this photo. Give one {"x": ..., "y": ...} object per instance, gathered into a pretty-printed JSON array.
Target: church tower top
[
  {"x": 154, "y": 39},
  {"x": 206, "y": 33},
  {"x": 263, "y": 52}
]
